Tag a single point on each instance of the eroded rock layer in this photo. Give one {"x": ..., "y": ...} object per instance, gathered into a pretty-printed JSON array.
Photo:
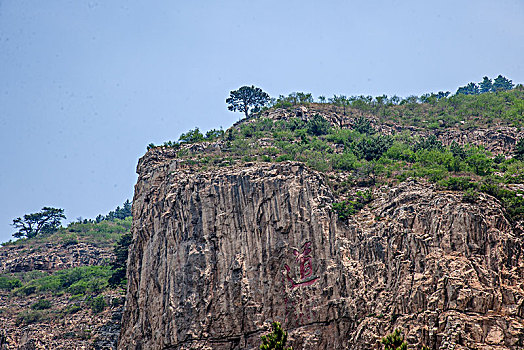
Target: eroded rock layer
[{"x": 218, "y": 255}]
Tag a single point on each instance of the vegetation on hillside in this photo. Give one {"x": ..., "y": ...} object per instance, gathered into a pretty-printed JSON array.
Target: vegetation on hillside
[
  {"x": 102, "y": 234},
  {"x": 491, "y": 106},
  {"x": 431, "y": 111},
  {"x": 44, "y": 227},
  {"x": 370, "y": 158},
  {"x": 84, "y": 286}
]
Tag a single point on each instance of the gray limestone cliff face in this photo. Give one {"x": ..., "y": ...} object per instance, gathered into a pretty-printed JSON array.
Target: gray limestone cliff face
[{"x": 218, "y": 255}]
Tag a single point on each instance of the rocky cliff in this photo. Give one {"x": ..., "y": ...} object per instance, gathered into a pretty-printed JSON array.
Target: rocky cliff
[{"x": 217, "y": 255}]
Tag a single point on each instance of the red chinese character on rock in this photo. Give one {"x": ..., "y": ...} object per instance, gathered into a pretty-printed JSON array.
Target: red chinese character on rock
[{"x": 306, "y": 267}]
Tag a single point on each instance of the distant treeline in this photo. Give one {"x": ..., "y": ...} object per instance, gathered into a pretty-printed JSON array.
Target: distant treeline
[
  {"x": 500, "y": 83},
  {"x": 119, "y": 213}
]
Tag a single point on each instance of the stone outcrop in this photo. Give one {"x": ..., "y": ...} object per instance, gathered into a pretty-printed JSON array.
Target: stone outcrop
[
  {"x": 218, "y": 255},
  {"x": 51, "y": 256}
]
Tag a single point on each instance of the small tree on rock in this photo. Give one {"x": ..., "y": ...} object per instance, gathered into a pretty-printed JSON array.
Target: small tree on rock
[
  {"x": 245, "y": 98},
  {"x": 119, "y": 265},
  {"x": 46, "y": 221},
  {"x": 275, "y": 340},
  {"x": 394, "y": 341}
]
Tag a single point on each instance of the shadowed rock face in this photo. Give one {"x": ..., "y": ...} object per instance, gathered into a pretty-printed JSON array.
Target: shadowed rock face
[{"x": 219, "y": 255}]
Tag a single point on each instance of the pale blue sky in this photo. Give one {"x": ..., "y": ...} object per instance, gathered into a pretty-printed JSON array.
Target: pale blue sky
[{"x": 86, "y": 85}]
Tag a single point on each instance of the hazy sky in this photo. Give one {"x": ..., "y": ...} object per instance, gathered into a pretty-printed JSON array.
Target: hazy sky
[{"x": 86, "y": 85}]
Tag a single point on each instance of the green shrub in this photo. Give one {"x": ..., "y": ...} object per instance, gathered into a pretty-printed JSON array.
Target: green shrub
[
  {"x": 363, "y": 126},
  {"x": 284, "y": 157},
  {"x": 458, "y": 183},
  {"x": 72, "y": 309},
  {"x": 97, "y": 304},
  {"x": 480, "y": 163},
  {"x": 345, "y": 161},
  {"x": 292, "y": 124},
  {"x": 512, "y": 201},
  {"x": 9, "y": 283},
  {"x": 172, "y": 144},
  {"x": 71, "y": 239},
  {"x": 394, "y": 341},
  {"x": 276, "y": 340},
  {"x": 316, "y": 160},
  {"x": 79, "y": 287},
  {"x": 428, "y": 143},
  {"x": 318, "y": 125},
  {"x": 119, "y": 265},
  {"x": 26, "y": 290},
  {"x": 191, "y": 136},
  {"x": 284, "y": 135},
  {"x": 41, "y": 304},
  {"x": 400, "y": 151},
  {"x": 78, "y": 280},
  {"x": 371, "y": 148},
  {"x": 29, "y": 317},
  {"x": 342, "y": 136},
  {"x": 214, "y": 134},
  {"x": 346, "y": 208},
  {"x": 470, "y": 195}
]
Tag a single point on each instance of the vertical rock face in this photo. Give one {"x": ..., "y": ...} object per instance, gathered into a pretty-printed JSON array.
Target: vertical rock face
[{"x": 218, "y": 255}]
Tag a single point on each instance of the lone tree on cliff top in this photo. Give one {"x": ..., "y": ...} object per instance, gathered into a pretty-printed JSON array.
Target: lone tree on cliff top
[
  {"x": 45, "y": 221},
  {"x": 245, "y": 98}
]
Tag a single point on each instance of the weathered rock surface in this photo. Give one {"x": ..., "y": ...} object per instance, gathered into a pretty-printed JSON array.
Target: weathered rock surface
[
  {"x": 51, "y": 257},
  {"x": 59, "y": 330},
  {"x": 218, "y": 255}
]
